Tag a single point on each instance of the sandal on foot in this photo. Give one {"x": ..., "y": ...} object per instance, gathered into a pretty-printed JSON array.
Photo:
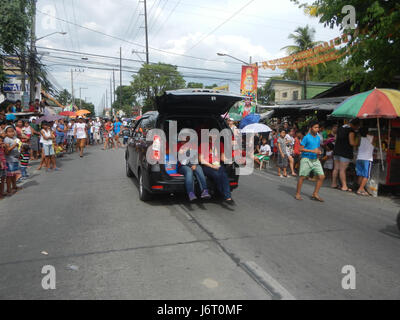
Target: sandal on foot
[{"x": 317, "y": 198}]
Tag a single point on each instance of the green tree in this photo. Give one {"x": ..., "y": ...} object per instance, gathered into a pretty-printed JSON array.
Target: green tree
[
  {"x": 332, "y": 71},
  {"x": 153, "y": 80},
  {"x": 266, "y": 95},
  {"x": 86, "y": 106},
  {"x": 195, "y": 85},
  {"x": 304, "y": 39},
  {"x": 64, "y": 97},
  {"x": 14, "y": 25},
  {"x": 125, "y": 100},
  {"x": 375, "y": 46}
]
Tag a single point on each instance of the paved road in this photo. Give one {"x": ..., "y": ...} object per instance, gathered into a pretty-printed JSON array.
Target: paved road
[{"x": 106, "y": 244}]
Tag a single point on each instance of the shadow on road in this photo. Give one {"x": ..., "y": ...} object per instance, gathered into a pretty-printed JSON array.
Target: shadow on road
[
  {"x": 181, "y": 199},
  {"x": 391, "y": 231}
]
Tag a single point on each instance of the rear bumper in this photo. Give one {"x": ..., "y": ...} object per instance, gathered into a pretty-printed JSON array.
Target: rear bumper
[{"x": 164, "y": 184}]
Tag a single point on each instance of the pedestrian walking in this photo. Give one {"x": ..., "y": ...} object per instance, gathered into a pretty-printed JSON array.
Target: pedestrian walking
[
  {"x": 310, "y": 149},
  {"x": 81, "y": 135},
  {"x": 117, "y": 130}
]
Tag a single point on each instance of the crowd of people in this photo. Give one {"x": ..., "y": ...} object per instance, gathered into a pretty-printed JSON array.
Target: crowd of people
[
  {"x": 22, "y": 142},
  {"x": 318, "y": 152}
]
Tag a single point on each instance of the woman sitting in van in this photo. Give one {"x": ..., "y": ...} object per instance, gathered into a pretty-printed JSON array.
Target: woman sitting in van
[
  {"x": 189, "y": 168},
  {"x": 213, "y": 169}
]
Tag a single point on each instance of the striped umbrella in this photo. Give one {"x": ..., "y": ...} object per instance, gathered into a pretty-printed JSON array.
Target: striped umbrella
[{"x": 377, "y": 103}]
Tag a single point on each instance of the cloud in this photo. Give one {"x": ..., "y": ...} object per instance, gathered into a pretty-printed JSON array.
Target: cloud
[{"x": 259, "y": 31}]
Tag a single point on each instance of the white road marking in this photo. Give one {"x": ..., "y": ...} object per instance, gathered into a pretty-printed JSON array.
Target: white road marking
[{"x": 268, "y": 281}]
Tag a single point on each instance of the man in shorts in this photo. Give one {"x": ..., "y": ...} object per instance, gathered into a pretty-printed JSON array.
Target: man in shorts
[
  {"x": 81, "y": 135},
  {"x": 310, "y": 150}
]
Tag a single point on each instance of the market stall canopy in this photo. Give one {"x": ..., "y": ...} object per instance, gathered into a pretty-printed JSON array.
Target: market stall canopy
[{"x": 377, "y": 103}]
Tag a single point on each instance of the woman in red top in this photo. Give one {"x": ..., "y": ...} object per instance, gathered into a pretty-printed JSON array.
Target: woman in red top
[{"x": 213, "y": 169}]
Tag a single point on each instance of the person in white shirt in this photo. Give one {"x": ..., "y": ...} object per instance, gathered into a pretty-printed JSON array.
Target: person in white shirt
[
  {"x": 290, "y": 140},
  {"x": 96, "y": 131},
  {"x": 81, "y": 135},
  {"x": 264, "y": 152},
  {"x": 365, "y": 158}
]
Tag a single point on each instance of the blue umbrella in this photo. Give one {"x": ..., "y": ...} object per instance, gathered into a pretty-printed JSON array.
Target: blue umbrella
[
  {"x": 10, "y": 117},
  {"x": 250, "y": 119}
]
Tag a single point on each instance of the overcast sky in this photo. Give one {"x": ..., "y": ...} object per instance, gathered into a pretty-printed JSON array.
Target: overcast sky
[{"x": 182, "y": 27}]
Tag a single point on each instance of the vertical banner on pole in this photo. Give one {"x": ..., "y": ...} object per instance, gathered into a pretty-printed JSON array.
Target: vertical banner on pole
[{"x": 248, "y": 87}]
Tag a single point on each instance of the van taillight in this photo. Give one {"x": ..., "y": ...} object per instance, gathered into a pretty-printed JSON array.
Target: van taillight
[{"x": 157, "y": 148}]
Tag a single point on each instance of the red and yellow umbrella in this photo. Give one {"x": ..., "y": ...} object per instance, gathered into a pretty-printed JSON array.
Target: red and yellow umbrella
[{"x": 377, "y": 103}]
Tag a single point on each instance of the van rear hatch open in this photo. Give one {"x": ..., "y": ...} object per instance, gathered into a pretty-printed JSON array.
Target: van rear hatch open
[{"x": 196, "y": 101}]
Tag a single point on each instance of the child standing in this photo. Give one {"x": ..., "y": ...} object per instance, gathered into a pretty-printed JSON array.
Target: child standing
[
  {"x": 24, "y": 158},
  {"x": 328, "y": 165},
  {"x": 283, "y": 159},
  {"x": 364, "y": 160},
  {"x": 12, "y": 158},
  {"x": 3, "y": 167}
]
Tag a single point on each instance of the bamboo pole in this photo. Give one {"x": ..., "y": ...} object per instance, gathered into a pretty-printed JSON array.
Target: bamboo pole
[{"x": 380, "y": 144}]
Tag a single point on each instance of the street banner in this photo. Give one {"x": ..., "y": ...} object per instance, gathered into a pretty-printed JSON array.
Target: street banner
[
  {"x": 248, "y": 87},
  {"x": 319, "y": 54}
]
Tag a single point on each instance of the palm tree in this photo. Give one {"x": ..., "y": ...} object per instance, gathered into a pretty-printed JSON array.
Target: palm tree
[{"x": 303, "y": 38}]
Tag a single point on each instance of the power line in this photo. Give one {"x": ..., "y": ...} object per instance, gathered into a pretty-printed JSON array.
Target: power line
[
  {"x": 76, "y": 29},
  {"x": 159, "y": 14},
  {"x": 136, "y": 44},
  {"x": 165, "y": 21},
  {"x": 68, "y": 26},
  {"x": 129, "y": 60},
  {"x": 220, "y": 25}
]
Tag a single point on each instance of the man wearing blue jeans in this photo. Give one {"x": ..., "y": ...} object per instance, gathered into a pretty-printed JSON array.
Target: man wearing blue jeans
[{"x": 188, "y": 167}]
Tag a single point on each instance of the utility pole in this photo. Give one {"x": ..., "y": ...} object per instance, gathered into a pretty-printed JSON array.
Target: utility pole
[
  {"x": 80, "y": 97},
  {"x": 114, "y": 84},
  {"x": 111, "y": 97},
  {"x": 106, "y": 101},
  {"x": 32, "y": 60},
  {"x": 72, "y": 88},
  {"x": 120, "y": 74},
  {"x": 146, "y": 31}
]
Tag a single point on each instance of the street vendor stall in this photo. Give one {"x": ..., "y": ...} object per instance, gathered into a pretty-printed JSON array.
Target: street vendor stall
[{"x": 380, "y": 108}]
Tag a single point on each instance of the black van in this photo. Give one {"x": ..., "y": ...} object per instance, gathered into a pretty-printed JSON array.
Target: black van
[{"x": 190, "y": 108}]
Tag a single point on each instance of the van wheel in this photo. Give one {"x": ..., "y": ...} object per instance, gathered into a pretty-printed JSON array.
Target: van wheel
[
  {"x": 129, "y": 172},
  {"x": 144, "y": 195}
]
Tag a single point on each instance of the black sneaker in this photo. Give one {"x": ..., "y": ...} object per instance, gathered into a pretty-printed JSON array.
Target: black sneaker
[{"x": 230, "y": 202}]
